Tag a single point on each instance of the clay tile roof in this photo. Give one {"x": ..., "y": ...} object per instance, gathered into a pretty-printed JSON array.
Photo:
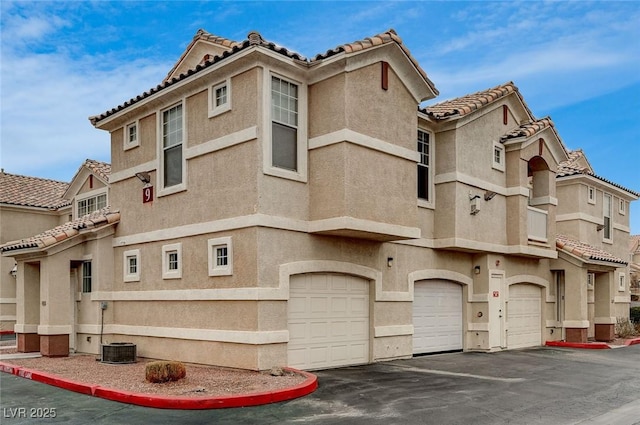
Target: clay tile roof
[
  {"x": 389, "y": 36},
  {"x": 101, "y": 169},
  {"x": 634, "y": 244},
  {"x": 65, "y": 231},
  {"x": 573, "y": 166},
  {"x": 585, "y": 251},
  {"x": 528, "y": 129},
  {"x": 464, "y": 105},
  {"x": 32, "y": 191}
]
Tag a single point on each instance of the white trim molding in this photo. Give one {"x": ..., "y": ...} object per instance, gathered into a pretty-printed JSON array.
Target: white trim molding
[
  {"x": 54, "y": 329},
  {"x": 226, "y": 141},
  {"x": 392, "y": 330},
  {"x": 575, "y": 323},
  {"x": 350, "y": 136}
]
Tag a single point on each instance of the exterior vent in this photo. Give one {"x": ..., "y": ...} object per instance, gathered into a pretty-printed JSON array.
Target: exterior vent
[{"x": 118, "y": 353}]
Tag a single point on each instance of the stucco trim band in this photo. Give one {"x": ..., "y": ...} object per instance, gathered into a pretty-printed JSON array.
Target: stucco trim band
[
  {"x": 8, "y": 300},
  {"x": 54, "y": 329},
  {"x": 216, "y": 294},
  {"x": 392, "y": 330},
  {"x": 223, "y": 142},
  {"x": 22, "y": 328},
  {"x": 217, "y": 335},
  {"x": 575, "y": 324},
  {"x": 350, "y": 136}
]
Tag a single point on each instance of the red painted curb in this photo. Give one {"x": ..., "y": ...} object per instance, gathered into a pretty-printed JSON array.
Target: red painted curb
[
  {"x": 169, "y": 402},
  {"x": 587, "y": 345},
  {"x": 632, "y": 341}
]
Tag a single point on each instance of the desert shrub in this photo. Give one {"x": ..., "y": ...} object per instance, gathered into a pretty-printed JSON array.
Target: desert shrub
[
  {"x": 634, "y": 314},
  {"x": 624, "y": 328},
  {"x": 164, "y": 371}
]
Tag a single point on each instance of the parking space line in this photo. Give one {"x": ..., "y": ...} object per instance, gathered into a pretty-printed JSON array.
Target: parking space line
[{"x": 460, "y": 374}]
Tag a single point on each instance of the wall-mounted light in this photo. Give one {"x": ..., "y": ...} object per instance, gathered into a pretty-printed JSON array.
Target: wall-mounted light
[
  {"x": 144, "y": 177},
  {"x": 599, "y": 227},
  {"x": 476, "y": 269},
  {"x": 474, "y": 204},
  {"x": 14, "y": 271},
  {"x": 488, "y": 195},
  {"x": 389, "y": 261}
]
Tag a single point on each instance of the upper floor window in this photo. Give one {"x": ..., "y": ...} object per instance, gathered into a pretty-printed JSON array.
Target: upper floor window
[
  {"x": 284, "y": 124},
  {"x": 622, "y": 207},
  {"x": 424, "y": 165},
  {"x": 172, "y": 133},
  {"x": 606, "y": 213},
  {"x": 86, "y": 276},
  {"x": 132, "y": 265},
  {"x": 131, "y": 136},
  {"x": 622, "y": 282},
  {"x": 591, "y": 194},
  {"x": 172, "y": 261},
  {"x": 219, "y": 98},
  {"x": 93, "y": 203},
  {"x": 498, "y": 159}
]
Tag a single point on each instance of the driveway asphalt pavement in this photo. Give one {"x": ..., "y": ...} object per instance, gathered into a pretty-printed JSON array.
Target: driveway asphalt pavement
[{"x": 531, "y": 386}]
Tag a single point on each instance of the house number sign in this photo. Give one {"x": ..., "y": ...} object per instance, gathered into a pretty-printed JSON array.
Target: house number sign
[
  {"x": 496, "y": 294},
  {"x": 147, "y": 194}
]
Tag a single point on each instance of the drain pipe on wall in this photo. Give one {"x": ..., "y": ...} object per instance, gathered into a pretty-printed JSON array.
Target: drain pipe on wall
[{"x": 103, "y": 307}]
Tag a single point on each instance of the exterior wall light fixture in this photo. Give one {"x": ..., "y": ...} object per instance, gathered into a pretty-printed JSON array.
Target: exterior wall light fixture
[
  {"x": 476, "y": 269},
  {"x": 389, "y": 261},
  {"x": 144, "y": 177},
  {"x": 14, "y": 271}
]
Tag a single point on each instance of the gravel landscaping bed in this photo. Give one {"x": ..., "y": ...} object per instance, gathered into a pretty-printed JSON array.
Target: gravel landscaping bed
[{"x": 201, "y": 381}]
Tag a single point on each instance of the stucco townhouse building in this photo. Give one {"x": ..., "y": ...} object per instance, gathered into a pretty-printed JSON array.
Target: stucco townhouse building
[{"x": 269, "y": 209}]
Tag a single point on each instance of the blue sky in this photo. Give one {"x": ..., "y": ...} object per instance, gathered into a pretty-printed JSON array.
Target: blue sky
[{"x": 578, "y": 62}]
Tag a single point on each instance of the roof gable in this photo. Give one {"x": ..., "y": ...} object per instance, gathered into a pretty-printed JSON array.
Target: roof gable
[
  {"x": 101, "y": 170},
  {"x": 32, "y": 191}
]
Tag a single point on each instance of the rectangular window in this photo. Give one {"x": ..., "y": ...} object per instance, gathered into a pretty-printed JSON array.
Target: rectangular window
[
  {"x": 622, "y": 282},
  {"x": 424, "y": 165},
  {"x": 172, "y": 145},
  {"x": 88, "y": 205},
  {"x": 172, "y": 261},
  {"x": 220, "y": 98},
  {"x": 498, "y": 159},
  {"x": 591, "y": 195},
  {"x": 131, "y": 136},
  {"x": 86, "y": 277},
  {"x": 132, "y": 265},
  {"x": 622, "y": 207},
  {"x": 284, "y": 125},
  {"x": 220, "y": 256},
  {"x": 606, "y": 213}
]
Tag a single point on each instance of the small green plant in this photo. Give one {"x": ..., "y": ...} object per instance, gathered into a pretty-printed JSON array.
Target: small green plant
[
  {"x": 164, "y": 371},
  {"x": 624, "y": 328},
  {"x": 634, "y": 314}
]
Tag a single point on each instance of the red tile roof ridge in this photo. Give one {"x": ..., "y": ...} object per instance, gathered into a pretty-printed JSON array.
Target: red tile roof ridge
[
  {"x": 466, "y": 104},
  {"x": 529, "y": 128}
]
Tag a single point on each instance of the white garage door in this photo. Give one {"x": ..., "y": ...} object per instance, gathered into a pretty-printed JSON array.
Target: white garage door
[
  {"x": 437, "y": 316},
  {"x": 524, "y": 322},
  {"x": 328, "y": 316}
]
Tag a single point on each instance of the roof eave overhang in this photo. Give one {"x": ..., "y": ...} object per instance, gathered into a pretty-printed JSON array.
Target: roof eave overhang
[
  {"x": 593, "y": 180},
  {"x": 553, "y": 143},
  {"x": 582, "y": 261}
]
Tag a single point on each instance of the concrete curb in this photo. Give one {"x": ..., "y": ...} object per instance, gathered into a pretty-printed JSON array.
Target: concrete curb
[
  {"x": 633, "y": 341},
  {"x": 169, "y": 402}
]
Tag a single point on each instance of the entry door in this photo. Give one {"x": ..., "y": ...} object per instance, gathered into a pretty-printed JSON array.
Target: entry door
[
  {"x": 497, "y": 319},
  {"x": 73, "y": 320}
]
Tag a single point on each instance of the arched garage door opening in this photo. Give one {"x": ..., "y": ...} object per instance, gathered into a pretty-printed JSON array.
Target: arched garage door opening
[
  {"x": 437, "y": 316},
  {"x": 524, "y": 319},
  {"x": 328, "y": 321}
]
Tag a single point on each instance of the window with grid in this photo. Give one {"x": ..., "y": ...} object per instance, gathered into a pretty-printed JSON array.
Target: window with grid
[
  {"x": 607, "y": 217},
  {"x": 424, "y": 149},
  {"x": 172, "y": 145},
  {"x": 132, "y": 134},
  {"x": 284, "y": 128},
  {"x": 221, "y": 96},
  {"x": 86, "y": 277},
  {"x": 91, "y": 204},
  {"x": 172, "y": 261},
  {"x": 220, "y": 256}
]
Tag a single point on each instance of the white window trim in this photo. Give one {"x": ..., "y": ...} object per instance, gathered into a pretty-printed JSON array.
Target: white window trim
[
  {"x": 92, "y": 194},
  {"x": 591, "y": 199},
  {"x": 303, "y": 145},
  {"x": 214, "y": 269},
  {"x": 591, "y": 278},
  {"x": 164, "y": 191},
  {"x": 604, "y": 205},
  {"x": 171, "y": 274},
  {"x": 500, "y": 166},
  {"x": 622, "y": 206},
  {"x": 622, "y": 282},
  {"x": 129, "y": 145},
  {"x": 217, "y": 110},
  {"x": 430, "y": 203},
  {"x": 131, "y": 277}
]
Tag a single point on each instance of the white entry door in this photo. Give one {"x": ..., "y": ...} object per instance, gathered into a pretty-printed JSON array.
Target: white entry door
[
  {"x": 437, "y": 316},
  {"x": 524, "y": 321},
  {"x": 328, "y": 321}
]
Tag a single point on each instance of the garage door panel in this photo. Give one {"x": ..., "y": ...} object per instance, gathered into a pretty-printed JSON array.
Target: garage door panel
[
  {"x": 524, "y": 322},
  {"x": 334, "y": 319},
  {"x": 437, "y": 317}
]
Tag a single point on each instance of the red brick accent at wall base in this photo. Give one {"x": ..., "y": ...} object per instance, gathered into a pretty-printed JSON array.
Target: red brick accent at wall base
[
  {"x": 54, "y": 345},
  {"x": 576, "y": 335},
  {"x": 28, "y": 343},
  {"x": 605, "y": 332}
]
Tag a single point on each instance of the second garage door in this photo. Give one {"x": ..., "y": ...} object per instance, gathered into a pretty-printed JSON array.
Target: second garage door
[
  {"x": 328, "y": 320},
  {"x": 437, "y": 317},
  {"x": 524, "y": 322}
]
